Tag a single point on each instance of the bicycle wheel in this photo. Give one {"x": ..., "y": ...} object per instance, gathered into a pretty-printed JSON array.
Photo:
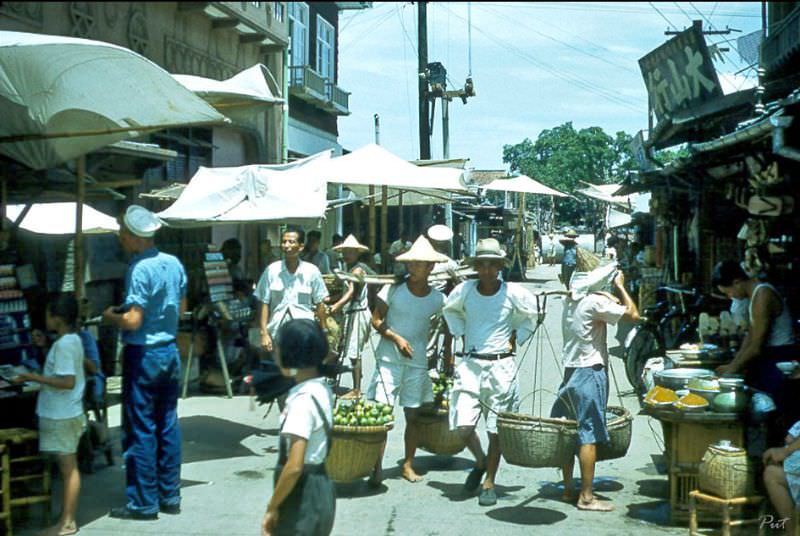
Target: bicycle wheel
[{"x": 642, "y": 347}]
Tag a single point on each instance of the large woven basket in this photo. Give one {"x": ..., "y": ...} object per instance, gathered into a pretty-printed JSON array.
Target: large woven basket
[
  {"x": 620, "y": 430},
  {"x": 354, "y": 451},
  {"x": 726, "y": 474},
  {"x": 435, "y": 435},
  {"x": 536, "y": 441}
]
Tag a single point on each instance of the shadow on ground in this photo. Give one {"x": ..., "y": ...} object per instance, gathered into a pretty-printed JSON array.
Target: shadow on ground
[
  {"x": 526, "y": 515},
  {"x": 656, "y": 512},
  {"x": 211, "y": 438},
  {"x": 456, "y": 492},
  {"x": 654, "y": 488}
]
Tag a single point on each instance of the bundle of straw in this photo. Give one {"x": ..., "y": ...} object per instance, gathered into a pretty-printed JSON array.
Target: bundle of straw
[{"x": 586, "y": 260}]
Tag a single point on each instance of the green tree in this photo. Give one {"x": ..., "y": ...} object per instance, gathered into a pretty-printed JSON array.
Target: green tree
[{"x": 562, "y": 157}]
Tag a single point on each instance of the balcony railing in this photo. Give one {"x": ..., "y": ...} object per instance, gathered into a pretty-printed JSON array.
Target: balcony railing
[{"x": 307, "y": 84}]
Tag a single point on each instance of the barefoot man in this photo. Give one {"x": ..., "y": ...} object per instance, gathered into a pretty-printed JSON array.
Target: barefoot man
[
  {"x": 583, "y": 395},
  {"x": 493, "y": 316},
  {"x": 403, "y": 316}
]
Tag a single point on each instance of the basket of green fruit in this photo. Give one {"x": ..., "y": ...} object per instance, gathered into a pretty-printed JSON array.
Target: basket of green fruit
[
  {"x": 357, "y": 439},
  {"x": 433, "y": 421}
]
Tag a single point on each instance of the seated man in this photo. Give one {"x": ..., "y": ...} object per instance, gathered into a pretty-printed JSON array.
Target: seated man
[{"x": 782, "y": 478}]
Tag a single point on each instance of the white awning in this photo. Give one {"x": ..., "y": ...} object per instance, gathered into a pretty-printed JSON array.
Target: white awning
[
  {"x": 62, "y": 97},
  {"x": 605, "y": 193},
  {"x": 245, "y": 91},
  {"x": 522, "y": 184},
  {"x": 59, "y": 219}
]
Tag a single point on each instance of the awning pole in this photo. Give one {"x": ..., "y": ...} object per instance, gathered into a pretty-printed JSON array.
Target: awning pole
[
  {"x": 384, "y": 226},
  {"x": 400, "y": 226},
  {"x": 371, "y": 227},
  {"x": 78, "y": 265}
]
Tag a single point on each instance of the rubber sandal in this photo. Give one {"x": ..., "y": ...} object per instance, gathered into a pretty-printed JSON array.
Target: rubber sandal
[
  {"x": 596, "y": 506},
  {"x": 68, "y": 531}
]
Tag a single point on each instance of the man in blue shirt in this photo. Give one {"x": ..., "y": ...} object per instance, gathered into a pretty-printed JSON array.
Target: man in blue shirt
[
  {"x": 570, "y": 259},
  {"x": 155, "y": 299}
]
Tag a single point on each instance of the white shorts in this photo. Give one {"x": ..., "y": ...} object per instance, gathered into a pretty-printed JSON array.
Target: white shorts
[
  {"x": 357, "y": 331},
  {"x": 480, "y": 383},
  {"x": 412, "y": 384}
]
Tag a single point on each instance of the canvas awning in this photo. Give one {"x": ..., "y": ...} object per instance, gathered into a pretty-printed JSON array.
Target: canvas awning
[
  {"x": 59, "y": 219},
  {"x": 63, "y": 97},
  {"x": 605, "y": 193},
  {"x": 254, "y": 193},
  {"x": 522, "y": 184}
]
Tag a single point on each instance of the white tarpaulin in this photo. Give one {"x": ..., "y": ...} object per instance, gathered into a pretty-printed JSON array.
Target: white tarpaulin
[
  {"x": 250, "y": 194},
  {"x": 59, "y": 219},
  {"x": 617, "y": 218},
  {"x": 522, "y": 184},
  {"x": 605, "y": 193},
  {"x": 240, "y": 94},
  {"x": 62, "y": 97}
]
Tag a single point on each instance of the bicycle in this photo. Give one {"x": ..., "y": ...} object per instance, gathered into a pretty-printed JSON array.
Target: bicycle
[{"x": 662, "y": 327}]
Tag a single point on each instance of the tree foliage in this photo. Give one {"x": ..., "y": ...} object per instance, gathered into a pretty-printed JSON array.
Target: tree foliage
[{"x": 562, "y": 157}]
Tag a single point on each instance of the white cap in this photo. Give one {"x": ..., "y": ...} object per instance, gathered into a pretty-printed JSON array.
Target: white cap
[
  {"x": 440, "y": 233},
  {"x": 141, "y": 222}
]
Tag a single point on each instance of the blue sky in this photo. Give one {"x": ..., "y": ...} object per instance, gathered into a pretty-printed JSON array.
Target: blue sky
[{"x": 534, "y": 65}]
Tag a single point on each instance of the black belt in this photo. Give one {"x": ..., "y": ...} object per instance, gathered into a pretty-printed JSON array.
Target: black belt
[{"x": 490, "y": 357}]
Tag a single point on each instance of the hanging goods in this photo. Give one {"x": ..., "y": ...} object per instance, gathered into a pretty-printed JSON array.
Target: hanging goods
[
  {"x": 726, "y": 472},
  {"x": 435, "y": 436},
  {"x": 354, "y": 451},
  {"x": 620, "y": 431}
]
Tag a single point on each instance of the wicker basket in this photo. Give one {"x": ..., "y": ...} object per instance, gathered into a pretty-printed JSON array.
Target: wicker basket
[
  {"x": 535, "y": 441},
  {"x": 435, "y": 435},
  {"x": 726, "y": 474},
  {"x": 620, "y": 429},
  {"x": 354, "y": 451}
]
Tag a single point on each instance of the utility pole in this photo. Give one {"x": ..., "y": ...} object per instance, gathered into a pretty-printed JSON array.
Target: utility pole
[{"x": 422, "y": 67}]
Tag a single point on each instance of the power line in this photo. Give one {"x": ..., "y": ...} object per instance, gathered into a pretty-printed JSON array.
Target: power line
[
  {"x": 586, "y": 85},
  {"x": 406, "y": 70},
  {"x": 662, "y": 15},
  {"x": 596, "y": 7},
  {"x": 361, "y": 36}
]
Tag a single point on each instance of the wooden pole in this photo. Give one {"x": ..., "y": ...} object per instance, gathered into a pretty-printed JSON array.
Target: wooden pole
[
  {"x": 79, "y": 260},
  {"x": 3, "y": 203},
  {"x": 400, "y": 226},
  {"x": 371, "y": 225},
  {"x": 357, "y": 220},
  {"x": 384, "y": 226}
]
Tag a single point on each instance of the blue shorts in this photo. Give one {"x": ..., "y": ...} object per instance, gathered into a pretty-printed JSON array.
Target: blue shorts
[{"x": 583, "y": 396}]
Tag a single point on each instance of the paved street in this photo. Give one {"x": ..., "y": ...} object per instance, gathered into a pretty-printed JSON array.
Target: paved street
[{"x": 230, "y": 449}]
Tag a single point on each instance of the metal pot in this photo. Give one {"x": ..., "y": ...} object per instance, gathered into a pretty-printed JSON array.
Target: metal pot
[
  {"x": 731, "y": 402},
  {"x": 677, "y": 378}
]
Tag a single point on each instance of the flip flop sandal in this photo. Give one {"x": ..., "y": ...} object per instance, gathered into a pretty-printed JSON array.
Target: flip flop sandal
[
  {"x": 68, "y": 531},
  {"x": 596, "y": 506}
]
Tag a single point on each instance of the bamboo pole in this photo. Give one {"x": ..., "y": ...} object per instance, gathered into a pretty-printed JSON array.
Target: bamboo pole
[
  {"x": 371, "y": 224},
  {"x": 384, "y": 226},
  {"x": 400, "y": 223},
  {"x": 79, "y": 260},
  {"x": 357, "y": 220}
]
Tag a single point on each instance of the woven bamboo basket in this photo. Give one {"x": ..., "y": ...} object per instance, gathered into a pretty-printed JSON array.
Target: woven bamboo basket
[
  {"x": 536, "y": 441},
  {"x": 354, "y": 451},
  {"x": 435, "y": 435},
  {"x": 620, "y": 430},
  {"x": 726, "y": 474}
]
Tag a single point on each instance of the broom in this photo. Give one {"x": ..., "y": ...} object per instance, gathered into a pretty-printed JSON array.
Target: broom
[{"x": 586, "y": 260}]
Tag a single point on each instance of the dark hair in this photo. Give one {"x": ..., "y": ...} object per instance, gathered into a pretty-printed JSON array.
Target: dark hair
[
  {"x": 314, "y": 235},
  {"x": 301, "y": 234},
  {"x": 65, "y": 307},
  {"x": 337, "y": 239},
  {"x": 231, "y": 243},
  {"x": 726, "y": 273},
  {"x": 302, "y": 344}
]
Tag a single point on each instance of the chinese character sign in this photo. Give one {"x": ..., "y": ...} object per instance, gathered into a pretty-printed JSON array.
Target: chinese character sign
[{"x": 680, "y": 74}]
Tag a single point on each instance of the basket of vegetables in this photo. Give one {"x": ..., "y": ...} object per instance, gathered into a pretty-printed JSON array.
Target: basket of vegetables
[
  {"x": 433, "y": 422},
  {"x": 357, "y": 439}
]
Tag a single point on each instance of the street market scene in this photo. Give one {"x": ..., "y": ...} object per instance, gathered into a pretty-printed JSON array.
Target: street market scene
[{"x": 399, "y": 268}]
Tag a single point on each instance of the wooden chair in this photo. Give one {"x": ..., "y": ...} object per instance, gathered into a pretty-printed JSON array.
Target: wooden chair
[
  {"x": 726, "y": 506},
  {"x": 5, "y": 489},
  {"x": 29, "y": 473}
]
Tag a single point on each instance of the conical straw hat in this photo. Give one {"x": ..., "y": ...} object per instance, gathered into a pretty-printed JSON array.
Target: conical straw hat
[
  {"x": 351, "y": 242},
  {"x": 422, "y": 251}
]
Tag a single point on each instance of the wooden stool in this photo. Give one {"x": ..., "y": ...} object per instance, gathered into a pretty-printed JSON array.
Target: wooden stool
[
  {"x": 726, "y": 505},
  {"x": 5, "y": 489},
  {"x": 26, "y": 466}
]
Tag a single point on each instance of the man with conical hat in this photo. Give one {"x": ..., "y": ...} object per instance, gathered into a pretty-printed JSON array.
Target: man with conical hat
[
  {"x": 493, "y": 317},
  {"x": 354, "y": 303},
  {"x": 570, "y": 258},
  {"x": 583, "y": 395},
  {"x": 403, "y": 316}
]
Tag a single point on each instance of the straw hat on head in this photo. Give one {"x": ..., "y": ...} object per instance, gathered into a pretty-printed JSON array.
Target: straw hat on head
[
  {"x": 569, "y": 237},
  {"x": 422, "y": 251},
  {"x": 351, "y": 242},
  {"x": 440, "y": 233},
  {"x": 488, "y": 248}
]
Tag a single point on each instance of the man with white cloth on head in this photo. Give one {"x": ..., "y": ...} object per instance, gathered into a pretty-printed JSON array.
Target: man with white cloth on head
[
  {"x": 403, "y": 316},
  {"x": 492, "y": 316},
  {"x": 583, "y": 395},
  {"x": 440, "y": 236}
]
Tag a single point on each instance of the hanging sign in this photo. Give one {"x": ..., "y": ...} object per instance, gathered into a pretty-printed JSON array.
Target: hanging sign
[{"x": 680, "y": 74}]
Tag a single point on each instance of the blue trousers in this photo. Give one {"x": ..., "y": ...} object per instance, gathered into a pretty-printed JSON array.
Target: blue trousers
[{"x": 151, "y": 438}]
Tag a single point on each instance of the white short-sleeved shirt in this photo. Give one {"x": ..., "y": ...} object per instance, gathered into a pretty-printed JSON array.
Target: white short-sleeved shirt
[
  {"x": 65, "y": 358},
  {"x": 290, "y": 296},
  {"x": 410, "y": 317},
  {"x": 584, "y": 329},
  {"x": 302, "y": 418},
  {"x": 443, "y": 267}
]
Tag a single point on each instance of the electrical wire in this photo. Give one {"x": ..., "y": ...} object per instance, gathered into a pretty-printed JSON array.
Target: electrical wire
[
  {"x": 597, "y": 7},
  {"x": 406, "y": 70},
  {"x": 587, "y": 85},
  {"x": 663, "y": 16},
  {"x": 362, "y": 35}
]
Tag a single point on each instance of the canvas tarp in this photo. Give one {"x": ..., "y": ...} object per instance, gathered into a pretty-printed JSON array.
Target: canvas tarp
[
  {"x": 59, "y": 219},
  {"x": 522, "y": 184},
  {"x": 605, "y": 193},
  {"x": 63, "y": 97}
]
